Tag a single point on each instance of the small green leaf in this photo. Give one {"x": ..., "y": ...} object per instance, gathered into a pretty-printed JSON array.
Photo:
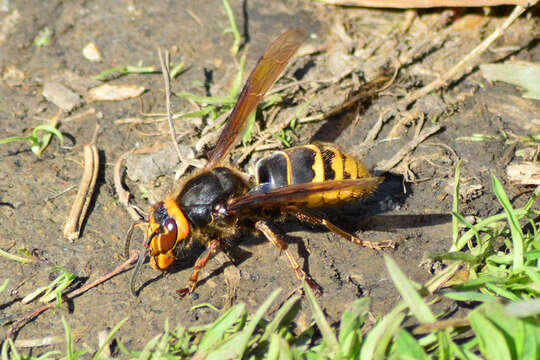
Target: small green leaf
[
  {"x": 407, "y": 348},
  {"x": 44, "y": 37},
  {"x": 177, "y": 70},
  {"x": 492, "y": 342}
]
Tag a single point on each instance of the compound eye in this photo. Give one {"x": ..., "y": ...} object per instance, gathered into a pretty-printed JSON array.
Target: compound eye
[
  {"x": 167, "y": 239},
  {"x": 170, "y": 225}
]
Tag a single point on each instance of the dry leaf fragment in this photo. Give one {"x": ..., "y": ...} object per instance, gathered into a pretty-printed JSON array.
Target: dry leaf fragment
[
  {"x": 61, "y": 96},
  {"x": 91, "y": 52},
  {"x": 108, "y": 92},
  {"x": 524, "y": 173}
]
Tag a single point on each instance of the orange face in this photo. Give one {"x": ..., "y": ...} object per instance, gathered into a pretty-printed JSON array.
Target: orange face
[{"x": 167, "y": 227}]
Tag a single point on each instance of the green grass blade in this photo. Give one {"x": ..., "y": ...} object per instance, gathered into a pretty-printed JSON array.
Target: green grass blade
[
  {"x": 177, "y": 70},
  {"x": 235, "y": 347},
  {"x": 110, "y": 337},
  {"x": 14, "y": 138},
  {"x": 49, "y": 132},
  {"x": 455, "y": 207},
  {"x": 214, "y": 335},
  {"x": 532, "y": 199},
  {"x": 444, "y": 346},
  {"x": 515, "y": 228},
  {"x": 146, "y": 352},
  {"x": 238, "y": 80},
  {"x": 230, "y": 349},
  {"x": 407, "y": 348},
  {"x": 377, "y": 340},
  {"x": 69, "y": 339},
  {"x": 254, "y": 321},
  {"x": 502, "y": 292},
  {"x": 279, "y": 348},
  {"x": 249, "y": 127},
  {"x": 6, "y": 344},
  {"x": 4, "y": 285},
  {"x": 283, "y": 317},
  {"x": 123, "y": 70},
  {"x": 417, "y": 306},
  {"x": 492, "y": 342},
  {"x": 531, "y": 341},
  {"x": 470, "y": 296},
  {"x": 326, "y": 331},
  {"x": 233, "y": 29},
  {"x": 353, "y": 318},
  {"x": 485, "y": 223}
]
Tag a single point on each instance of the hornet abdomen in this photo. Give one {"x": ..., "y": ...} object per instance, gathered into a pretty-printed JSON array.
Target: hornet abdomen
[{"x": 310, "y": 163}]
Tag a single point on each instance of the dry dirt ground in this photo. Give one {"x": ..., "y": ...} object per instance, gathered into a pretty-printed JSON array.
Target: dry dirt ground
[{"x": 346, "y": 47}]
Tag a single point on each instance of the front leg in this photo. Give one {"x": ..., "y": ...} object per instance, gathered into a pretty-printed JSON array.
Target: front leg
[{"x": 214, "y": 246}]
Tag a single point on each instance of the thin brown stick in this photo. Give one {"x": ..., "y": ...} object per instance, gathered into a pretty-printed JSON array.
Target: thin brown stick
[
  {"x": 73, "y": 294},
  {"x": 164, "y": 61},
  {"x": 78, "y": 211}
]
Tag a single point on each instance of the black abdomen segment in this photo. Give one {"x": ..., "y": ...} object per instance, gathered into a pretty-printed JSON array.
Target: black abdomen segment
[{"x": 307, "y": 163}]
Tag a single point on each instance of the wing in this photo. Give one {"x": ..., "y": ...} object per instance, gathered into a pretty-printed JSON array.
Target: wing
[
  {"x": 309, "y": 194},
  {"x": 268, "y": 68}
]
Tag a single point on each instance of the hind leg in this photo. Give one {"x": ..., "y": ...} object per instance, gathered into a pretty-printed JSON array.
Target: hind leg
[{"x": 304, "y": 216}]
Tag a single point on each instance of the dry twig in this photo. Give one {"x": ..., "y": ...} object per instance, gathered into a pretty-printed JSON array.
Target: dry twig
[
  {"x": 78, "y": 211},
  {"x": 164, "y": 61}
]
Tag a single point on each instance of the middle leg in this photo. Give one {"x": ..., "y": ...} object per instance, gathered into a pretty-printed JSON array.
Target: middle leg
[{"x": 264, "y": 228}]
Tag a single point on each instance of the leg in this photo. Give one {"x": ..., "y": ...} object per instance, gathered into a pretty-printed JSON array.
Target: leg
[
  {"x": 315, "y": 220},
  {"x": 263, "y": 227},
  {"x": 214, "y": 246}
]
